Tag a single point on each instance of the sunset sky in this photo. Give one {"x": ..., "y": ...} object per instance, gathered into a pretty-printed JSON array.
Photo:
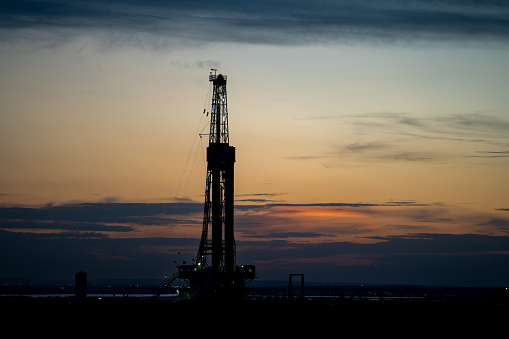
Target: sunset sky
[{"x": 372, "y": 137}]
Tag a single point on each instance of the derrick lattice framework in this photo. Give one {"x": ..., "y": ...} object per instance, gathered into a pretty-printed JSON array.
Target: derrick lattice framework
[
  {"x": 215, "y": 273},
  {"x": 218, "y": 212}
]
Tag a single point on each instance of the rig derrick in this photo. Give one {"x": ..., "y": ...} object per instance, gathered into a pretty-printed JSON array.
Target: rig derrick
[{"x": 215, "y": 274}]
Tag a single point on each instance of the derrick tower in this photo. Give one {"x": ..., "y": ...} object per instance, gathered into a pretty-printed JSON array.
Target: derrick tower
[{"x": 215, "y": 273}]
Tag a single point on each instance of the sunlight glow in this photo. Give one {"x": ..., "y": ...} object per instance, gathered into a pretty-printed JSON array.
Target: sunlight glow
[{"x": 307, "y": 211}]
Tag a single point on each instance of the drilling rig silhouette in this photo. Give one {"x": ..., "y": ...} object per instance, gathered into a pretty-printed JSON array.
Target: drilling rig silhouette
[{"x": 215, "y": 274}]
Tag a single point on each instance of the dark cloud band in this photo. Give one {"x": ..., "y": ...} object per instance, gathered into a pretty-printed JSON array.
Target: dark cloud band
[{"x": 269, "y": 22}]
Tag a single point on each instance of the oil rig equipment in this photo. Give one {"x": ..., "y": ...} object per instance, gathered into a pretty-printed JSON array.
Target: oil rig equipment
[{"x": 215, "y": 274}]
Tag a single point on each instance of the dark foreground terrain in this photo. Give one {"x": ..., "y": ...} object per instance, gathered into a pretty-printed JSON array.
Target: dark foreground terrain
[{"x": 267, "y": 316}]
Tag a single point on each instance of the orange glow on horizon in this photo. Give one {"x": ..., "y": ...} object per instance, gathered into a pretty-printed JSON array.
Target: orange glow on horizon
[{"x": 310, "y": 211}]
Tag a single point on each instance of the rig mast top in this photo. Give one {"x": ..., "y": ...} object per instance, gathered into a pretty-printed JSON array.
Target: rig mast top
[{"x": 219, "y": 111}]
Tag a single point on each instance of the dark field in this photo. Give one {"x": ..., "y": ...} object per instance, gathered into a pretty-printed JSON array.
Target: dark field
[{"x": 341, "y": 308}]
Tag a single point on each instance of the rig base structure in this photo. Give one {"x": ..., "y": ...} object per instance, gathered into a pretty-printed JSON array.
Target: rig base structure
[{"x": 205, "y": 284}]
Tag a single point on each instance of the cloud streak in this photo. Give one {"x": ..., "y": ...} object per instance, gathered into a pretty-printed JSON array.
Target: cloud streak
[
  {"x": 389, "y": 137},
  {"x": 280, "y": 22}
]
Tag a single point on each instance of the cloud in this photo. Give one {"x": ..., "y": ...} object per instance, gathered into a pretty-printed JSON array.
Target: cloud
[
  {"x": 198, "y": 64},
  {"x": 99, "y": 218},
  {"x": 257, "y": 198},
  {"x": 404, "y": 137},
  {"x": 477, "y": 122},
  {"x": 309, "y": 222},
  {"x": 355, "y": 204},
  {"x": 367, "y": 146},
  {"x": 284, "y": 235},
  {"x": 423, "y": 258},
  {"x": 40, "y": 225},
  {"x": 408, "y": 156},
  {"x": 449, "y": 126},
  {"x": 158, "y": 24},
  {"x": 389, "y": 241},
  {"x": 379, "y": 150},
  {"x": 497, "y": 222},
  {"x": 491, "y": 154}
]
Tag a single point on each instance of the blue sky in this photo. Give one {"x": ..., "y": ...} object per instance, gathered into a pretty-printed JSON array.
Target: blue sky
[{"x": 372, "y": 137}]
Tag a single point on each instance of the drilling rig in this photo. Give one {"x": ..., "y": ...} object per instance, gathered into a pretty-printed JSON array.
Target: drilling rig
[{"x": 215, "y": 274}]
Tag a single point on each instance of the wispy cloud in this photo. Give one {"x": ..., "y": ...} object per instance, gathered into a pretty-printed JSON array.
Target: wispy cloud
[
  {"x": 264, "y": 198},
  {"x": 491, "y": 154},
  {"x": 198, "y": 64},
  {"x": 284, "y": 235},
  {"x": 365, "y": 146},
  {"x": 396, "y": 137}
]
